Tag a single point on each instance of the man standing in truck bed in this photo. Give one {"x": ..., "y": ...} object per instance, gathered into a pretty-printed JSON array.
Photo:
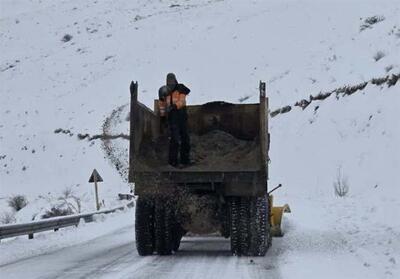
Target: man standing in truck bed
[{"x": 172, "y": 105}]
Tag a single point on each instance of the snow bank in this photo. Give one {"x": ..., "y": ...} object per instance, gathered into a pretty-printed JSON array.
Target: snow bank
[{"x": 15, "y": 249}]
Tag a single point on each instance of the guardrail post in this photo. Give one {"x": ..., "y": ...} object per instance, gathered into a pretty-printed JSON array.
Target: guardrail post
[{"x": 30, "y": 236}]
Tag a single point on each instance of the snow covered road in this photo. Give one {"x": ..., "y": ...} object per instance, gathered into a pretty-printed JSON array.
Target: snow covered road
[
  {"x": 318, "y": 244},
  {"x": 114, "y": 256}
]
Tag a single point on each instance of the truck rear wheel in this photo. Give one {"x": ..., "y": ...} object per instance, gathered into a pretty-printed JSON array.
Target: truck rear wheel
[
  {"x": 259, "y": 227},
  {"x": 250, "y": 231},
  {"x": 163, "y": 227},
  {"x": 234, "y": 225},
  {"x": 244, "y": 225},
  {"x": 177, "y": 234},
  {"x": 225, "y": 218},
  {"x": 144, "y": 226}
]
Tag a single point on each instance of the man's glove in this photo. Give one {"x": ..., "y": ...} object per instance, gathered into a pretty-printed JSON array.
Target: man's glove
[{"x": 163, "y": 92}]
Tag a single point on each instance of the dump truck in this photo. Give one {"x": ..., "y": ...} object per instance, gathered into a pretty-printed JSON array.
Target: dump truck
[{"x": 224, "y": 191}]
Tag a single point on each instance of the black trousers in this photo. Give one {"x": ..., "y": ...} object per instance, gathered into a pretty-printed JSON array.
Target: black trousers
[{"x": 179, "y": 141}]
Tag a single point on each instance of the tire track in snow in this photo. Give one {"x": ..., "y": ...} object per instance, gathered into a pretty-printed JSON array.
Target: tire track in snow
[{"x": 114, "y": 256}]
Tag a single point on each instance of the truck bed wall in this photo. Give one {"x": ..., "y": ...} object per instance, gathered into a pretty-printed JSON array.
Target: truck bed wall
[{"x": 240, "y": 120}]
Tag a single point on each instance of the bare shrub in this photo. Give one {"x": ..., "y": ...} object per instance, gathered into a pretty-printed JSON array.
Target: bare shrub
[
  {"x": 379, "y": 55},
  {"x": 340, "y": 185},
  {"x": 7, "y": 218},
  {"x": 68, "y": 203},
  {"x": 70, "y": 200},
  {"x": 370, "y": 21},
  {"x": 17, "y": 202},
  {"x": 66, "y": 38},
  {"x": 57, "y": 211},
  {"x": 389, "y": 68}
]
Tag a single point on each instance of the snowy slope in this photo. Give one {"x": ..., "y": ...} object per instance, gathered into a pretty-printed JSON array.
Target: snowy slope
[{"x": 220, "y": 49}]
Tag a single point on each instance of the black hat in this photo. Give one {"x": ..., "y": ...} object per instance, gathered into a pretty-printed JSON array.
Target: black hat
[{"x": 171, "y": 81}]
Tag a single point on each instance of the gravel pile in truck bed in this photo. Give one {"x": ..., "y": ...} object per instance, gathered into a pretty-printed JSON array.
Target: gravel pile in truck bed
[
  {"x": 214, "y": 151},
  {"x": 218, "y": 149}
]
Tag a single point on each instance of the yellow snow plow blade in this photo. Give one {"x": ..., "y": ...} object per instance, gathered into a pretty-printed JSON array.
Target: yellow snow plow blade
[{"x": 276, "y": 217}]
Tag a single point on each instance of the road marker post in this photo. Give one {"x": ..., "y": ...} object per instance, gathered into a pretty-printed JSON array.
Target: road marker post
[{"x": 94, "y": 178}]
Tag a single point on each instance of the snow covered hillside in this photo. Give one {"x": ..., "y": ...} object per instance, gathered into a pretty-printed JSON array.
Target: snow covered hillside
[{"x": 66, "y": 67}]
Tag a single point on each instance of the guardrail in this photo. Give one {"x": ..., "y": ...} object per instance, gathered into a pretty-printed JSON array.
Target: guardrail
[{"x": 55, "y": 223}]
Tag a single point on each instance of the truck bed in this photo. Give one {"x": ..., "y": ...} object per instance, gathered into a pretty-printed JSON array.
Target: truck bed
[
  {"x": 215, "y": 151},
  {"x": 229, "y": 148}
]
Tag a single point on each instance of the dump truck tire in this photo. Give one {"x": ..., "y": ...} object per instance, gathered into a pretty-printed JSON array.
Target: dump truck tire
[
  {"x": 269, "y": 225},
  {"x": 259, "y": 228},
  {"x": 244, "y": 225},
  {"x": 225, "y": 220},
  {"x": 250, "y": 230},
  {"x": 177, "y": 234},
  {"x": 144, "y": 226},
  {"x": 234, "y": 225},
  {"x": 163, "y": 227}
]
